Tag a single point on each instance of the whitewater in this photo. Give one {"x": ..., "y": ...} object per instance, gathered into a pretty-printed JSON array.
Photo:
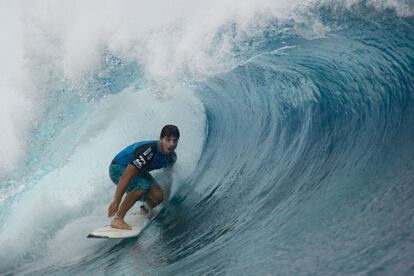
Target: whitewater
[{"x": 296, "y": 154}]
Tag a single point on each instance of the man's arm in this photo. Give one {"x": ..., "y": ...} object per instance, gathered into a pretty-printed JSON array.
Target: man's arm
[{"x": 129, "y": 173}]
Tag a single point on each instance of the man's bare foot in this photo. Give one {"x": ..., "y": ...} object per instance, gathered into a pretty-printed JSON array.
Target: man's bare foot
[{"x": 119, "y": 223}]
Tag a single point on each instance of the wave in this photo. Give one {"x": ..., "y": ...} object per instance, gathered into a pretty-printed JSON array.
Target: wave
[{"x": 296, "y": 153}]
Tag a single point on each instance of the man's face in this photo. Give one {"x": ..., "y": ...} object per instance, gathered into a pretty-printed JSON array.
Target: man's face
[{"x": 168, "y": 144}]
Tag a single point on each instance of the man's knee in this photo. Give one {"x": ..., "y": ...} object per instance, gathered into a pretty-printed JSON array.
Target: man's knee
[
  {"x": 135, "y": 194},
  {"x": 155, "y": 196}
]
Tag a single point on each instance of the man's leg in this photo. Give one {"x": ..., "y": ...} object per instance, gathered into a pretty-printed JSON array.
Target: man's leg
[
  {"x": 154, "y": 196},
  {"x": 129, "y": 201}
]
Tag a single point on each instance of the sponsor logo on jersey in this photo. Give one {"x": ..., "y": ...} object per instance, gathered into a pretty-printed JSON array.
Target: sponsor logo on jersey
[
  {"x": 150, "y": 155},
  {"x": 142, "y": 159},
  {"x": 140, "y": 162},
  {"x": 148, "y": 150},
  {"x": 137, "y": 163}
]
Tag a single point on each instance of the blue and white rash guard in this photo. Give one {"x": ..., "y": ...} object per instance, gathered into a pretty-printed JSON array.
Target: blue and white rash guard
[{"x": 145, "y": 156}]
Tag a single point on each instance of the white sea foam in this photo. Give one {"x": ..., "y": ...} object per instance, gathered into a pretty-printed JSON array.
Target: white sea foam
[{"x": 16, "y": 109}]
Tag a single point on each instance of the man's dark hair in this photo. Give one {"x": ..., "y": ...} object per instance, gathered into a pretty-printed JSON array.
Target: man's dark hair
[{"x": 170, "y": 130}]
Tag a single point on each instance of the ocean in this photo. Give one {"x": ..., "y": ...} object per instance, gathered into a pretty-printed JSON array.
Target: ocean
[{"x": 296, "y": 154}]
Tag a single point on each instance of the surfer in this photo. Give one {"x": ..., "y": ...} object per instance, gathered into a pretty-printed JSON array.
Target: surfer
[{"x": 130, "y": 168}]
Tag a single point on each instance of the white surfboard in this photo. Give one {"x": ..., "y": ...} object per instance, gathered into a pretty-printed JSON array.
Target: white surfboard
[{"x": 137, "y": 222}]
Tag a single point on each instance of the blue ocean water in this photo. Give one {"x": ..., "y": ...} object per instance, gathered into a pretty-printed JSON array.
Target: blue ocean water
[{"x": 305, "y": 164}]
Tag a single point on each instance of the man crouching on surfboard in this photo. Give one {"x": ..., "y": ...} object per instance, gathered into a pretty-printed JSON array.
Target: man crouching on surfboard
[{"x": 130, "y": 168}]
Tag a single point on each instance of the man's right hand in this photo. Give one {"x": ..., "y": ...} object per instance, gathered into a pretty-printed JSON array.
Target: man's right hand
[{"x": 113, "y": 208}]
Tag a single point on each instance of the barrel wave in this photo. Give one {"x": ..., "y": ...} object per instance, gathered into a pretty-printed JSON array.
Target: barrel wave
[{"x": 299, "y": 156}]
